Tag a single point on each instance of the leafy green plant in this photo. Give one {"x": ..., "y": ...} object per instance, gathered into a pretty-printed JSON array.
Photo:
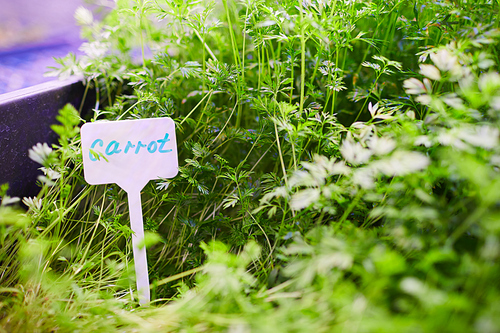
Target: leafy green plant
[{"x": 338, "y": 170}]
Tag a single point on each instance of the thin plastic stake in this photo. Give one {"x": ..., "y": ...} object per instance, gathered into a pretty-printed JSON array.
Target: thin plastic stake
[{"x": 140, "y": 260}]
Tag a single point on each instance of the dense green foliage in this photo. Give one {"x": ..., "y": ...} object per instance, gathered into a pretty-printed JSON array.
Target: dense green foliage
[{"x": 339, "y": 170}]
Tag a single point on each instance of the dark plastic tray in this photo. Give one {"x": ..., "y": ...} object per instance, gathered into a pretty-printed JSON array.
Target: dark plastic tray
[{"x": 25, "y": 119}]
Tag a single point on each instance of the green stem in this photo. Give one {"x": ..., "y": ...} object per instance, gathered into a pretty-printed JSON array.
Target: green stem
[
  {"x": 350, "y": 208},
  {"x": 176, "y": 277},
  {"x": 368, "y": 97},
  {"x": 281, "y": 154},
  {"x": 206, "y": 47},
  {"x": 236, "y": 53},
  {"x": 302, "y": 58},
  {"x": 197, "y": 105}
]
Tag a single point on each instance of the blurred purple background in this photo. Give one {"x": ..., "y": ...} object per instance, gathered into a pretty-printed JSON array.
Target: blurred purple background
[{"x": 32, "y": 32}]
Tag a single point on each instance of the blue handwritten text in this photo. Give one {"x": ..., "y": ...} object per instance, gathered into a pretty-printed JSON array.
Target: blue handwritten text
[{"x": 114, "y": 147}]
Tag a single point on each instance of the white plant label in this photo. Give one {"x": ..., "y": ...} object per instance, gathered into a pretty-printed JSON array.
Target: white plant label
[{"x": 130, "y": 153}]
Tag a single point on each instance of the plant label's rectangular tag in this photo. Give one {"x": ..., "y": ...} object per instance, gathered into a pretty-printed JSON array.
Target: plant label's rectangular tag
[{"x": 130, "y": 153}]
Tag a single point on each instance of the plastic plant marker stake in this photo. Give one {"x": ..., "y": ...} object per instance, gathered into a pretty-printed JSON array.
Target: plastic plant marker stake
[
  {"x": 130, "y": 153},
  {"x": 140, "y": 259}
]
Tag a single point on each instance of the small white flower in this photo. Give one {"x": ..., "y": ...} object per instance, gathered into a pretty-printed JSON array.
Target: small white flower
[
  {"x": 6, "y": 200},
  {"x": 422, "y": 140},
  {"x": 163, "y": 185},
  {"x": 358, "y": 125},
  {"x": 424, "y": 99},
  {"x": 444, "y": 60},
  {"x": 340, "y": 168},
  {"x": 412, "y": 286},
  {"x": 430, "y": 71},
  {"x": 50, "y": 173},
  {"x": 278, "y": 192},
  {"x": 377, "y": 112},
  {"x": 410, "y": 114},
  {"x": 423, "y": 57},
  {"x": 414, "y": 86},
  {"x": 94, "y": 49},
  {"x": 376, "y": 67},
  {"x": 489, "y": 82},
  {"x": 364, "y": 178},
  {"x": 40, "y": 152},
  {"x": 353, "y": 152},
  {"x": 484, "y": 61},
  {"x": 359, "y": 305},
  {"x": 480, "y": 136},
  {"x": 427, "y": 85},
  {"x": 34, "y": 203},
  {"x": 429, "y": 297},
  {"x": 467, "y": 83},
  {"x": 401, "y": 163},
  {"x": 447, "y": 62},
  {"x": 337, "y": 259},
  {"x": 304, "y": 198},
  {"x": 449, "y": 138},
  {"x": 84, "y": 16},
  {"x": 495, "y": 103},
  {"x": 453, "y": 101},
  {"x": 381, "y": 146},
  {"x": 304, "y": 178},
  {"x": 372, "y": 109},
  {"x": 46, "y": 180},
  {"x": 495, "y": 160}
]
